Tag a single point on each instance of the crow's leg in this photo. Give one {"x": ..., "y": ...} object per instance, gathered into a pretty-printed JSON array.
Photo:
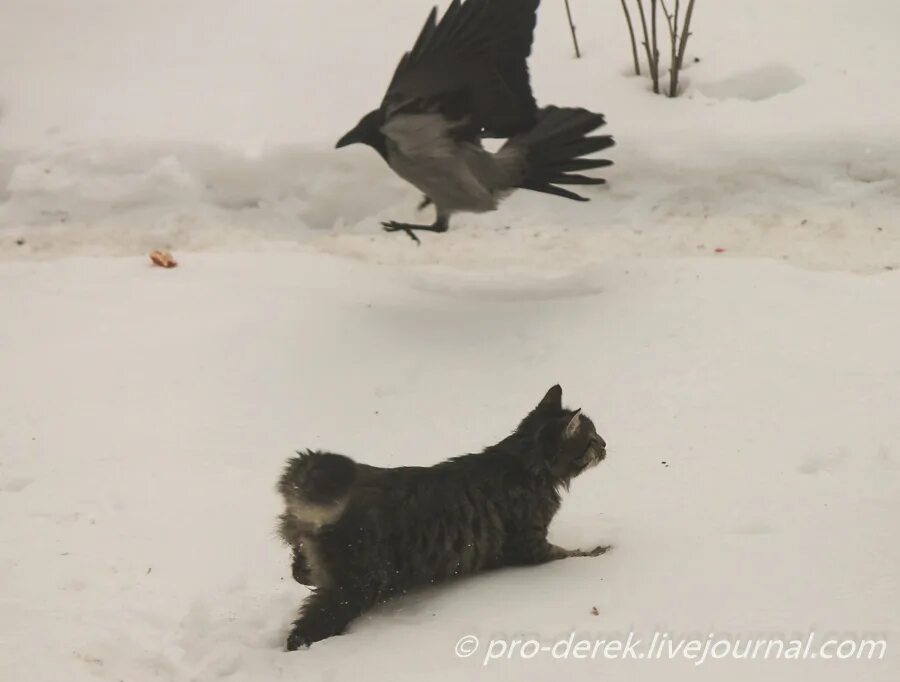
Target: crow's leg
[
  {"x": 439, "y": 225},
  {"x": 425, "y": 203}
]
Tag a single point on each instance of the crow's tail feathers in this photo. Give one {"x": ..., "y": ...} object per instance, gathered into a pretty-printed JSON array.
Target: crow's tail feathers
[{"x": 553, "y": 149}]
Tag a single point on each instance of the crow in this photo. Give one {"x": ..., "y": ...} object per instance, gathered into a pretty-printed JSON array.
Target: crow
[{"x": 466, "y": 79}]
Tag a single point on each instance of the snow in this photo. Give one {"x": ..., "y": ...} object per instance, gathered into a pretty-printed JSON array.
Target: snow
[
  {"x": 211, "y": 125},
  {"x": 148, "y": 413},
  {"x": 727, "y": 305}
]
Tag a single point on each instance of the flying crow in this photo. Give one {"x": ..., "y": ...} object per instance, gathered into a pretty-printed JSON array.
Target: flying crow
[{"x": 466, "y": 79}]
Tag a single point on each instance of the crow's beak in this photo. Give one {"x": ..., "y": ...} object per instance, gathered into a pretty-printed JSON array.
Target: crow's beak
[{"x": 350, "y": 138}]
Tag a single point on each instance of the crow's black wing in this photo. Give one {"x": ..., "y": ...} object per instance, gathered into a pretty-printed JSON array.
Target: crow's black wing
[{"x": 471, "y": 65}]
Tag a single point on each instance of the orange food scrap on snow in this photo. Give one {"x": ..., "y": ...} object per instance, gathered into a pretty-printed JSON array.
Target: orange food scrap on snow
[{"x": 163, "y": 259}]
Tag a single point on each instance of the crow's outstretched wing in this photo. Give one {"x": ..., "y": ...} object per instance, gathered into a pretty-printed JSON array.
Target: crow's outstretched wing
[{"x": 471, "y": 65}]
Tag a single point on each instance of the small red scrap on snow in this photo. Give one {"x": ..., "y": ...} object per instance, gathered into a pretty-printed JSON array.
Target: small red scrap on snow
[
  {"x": 162, "y": 259},
  {"x": 719, "y": 249}
]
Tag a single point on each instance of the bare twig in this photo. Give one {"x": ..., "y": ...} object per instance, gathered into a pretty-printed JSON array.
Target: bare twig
[
  {"x": 653, "y": 4},
  {"x": 677, "y": 39},
  {"x": 676, "y": 65},
  {"x": 672, "y": 22},
  {"x": 682, "y": 46},
  {"x": 634, "y": 54},
  {"x": 679, "y": 42},
  {"x": 651, "y": 63},
  {"x": 572, "y": 27}
]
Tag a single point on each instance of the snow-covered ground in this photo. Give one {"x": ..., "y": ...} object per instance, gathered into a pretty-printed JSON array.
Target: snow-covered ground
[
  {"x": 211, "y": 123},
  {"x": 147, "y": 414},
  {"x": 726, "y": 311}
]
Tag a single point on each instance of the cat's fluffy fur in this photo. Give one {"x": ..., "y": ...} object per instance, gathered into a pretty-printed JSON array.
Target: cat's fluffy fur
[{"x": 362, "y": 534}]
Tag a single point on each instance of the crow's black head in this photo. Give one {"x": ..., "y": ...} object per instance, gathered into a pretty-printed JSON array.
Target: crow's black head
[{"x": 367, "y": 131}]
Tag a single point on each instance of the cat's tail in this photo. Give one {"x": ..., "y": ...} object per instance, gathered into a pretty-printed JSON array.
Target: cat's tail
[{"x": 315, "y": 487}]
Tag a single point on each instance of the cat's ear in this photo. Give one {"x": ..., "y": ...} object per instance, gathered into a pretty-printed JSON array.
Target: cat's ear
[
  {"x": 549, "y": 408},
  {"x": 573, "y": 426},
  {"x": 552, "y": 400}
]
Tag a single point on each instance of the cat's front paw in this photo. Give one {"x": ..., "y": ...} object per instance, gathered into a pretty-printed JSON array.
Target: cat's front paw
[
  {"x": 598, "y": 550},
  {"x": 298, "y": 639}
]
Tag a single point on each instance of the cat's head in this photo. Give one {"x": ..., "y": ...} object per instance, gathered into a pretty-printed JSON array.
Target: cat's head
[{"x": 566, "y": 439}]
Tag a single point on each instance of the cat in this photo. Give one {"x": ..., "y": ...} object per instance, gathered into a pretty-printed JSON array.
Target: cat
[{"x": 361, "y": 534}]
